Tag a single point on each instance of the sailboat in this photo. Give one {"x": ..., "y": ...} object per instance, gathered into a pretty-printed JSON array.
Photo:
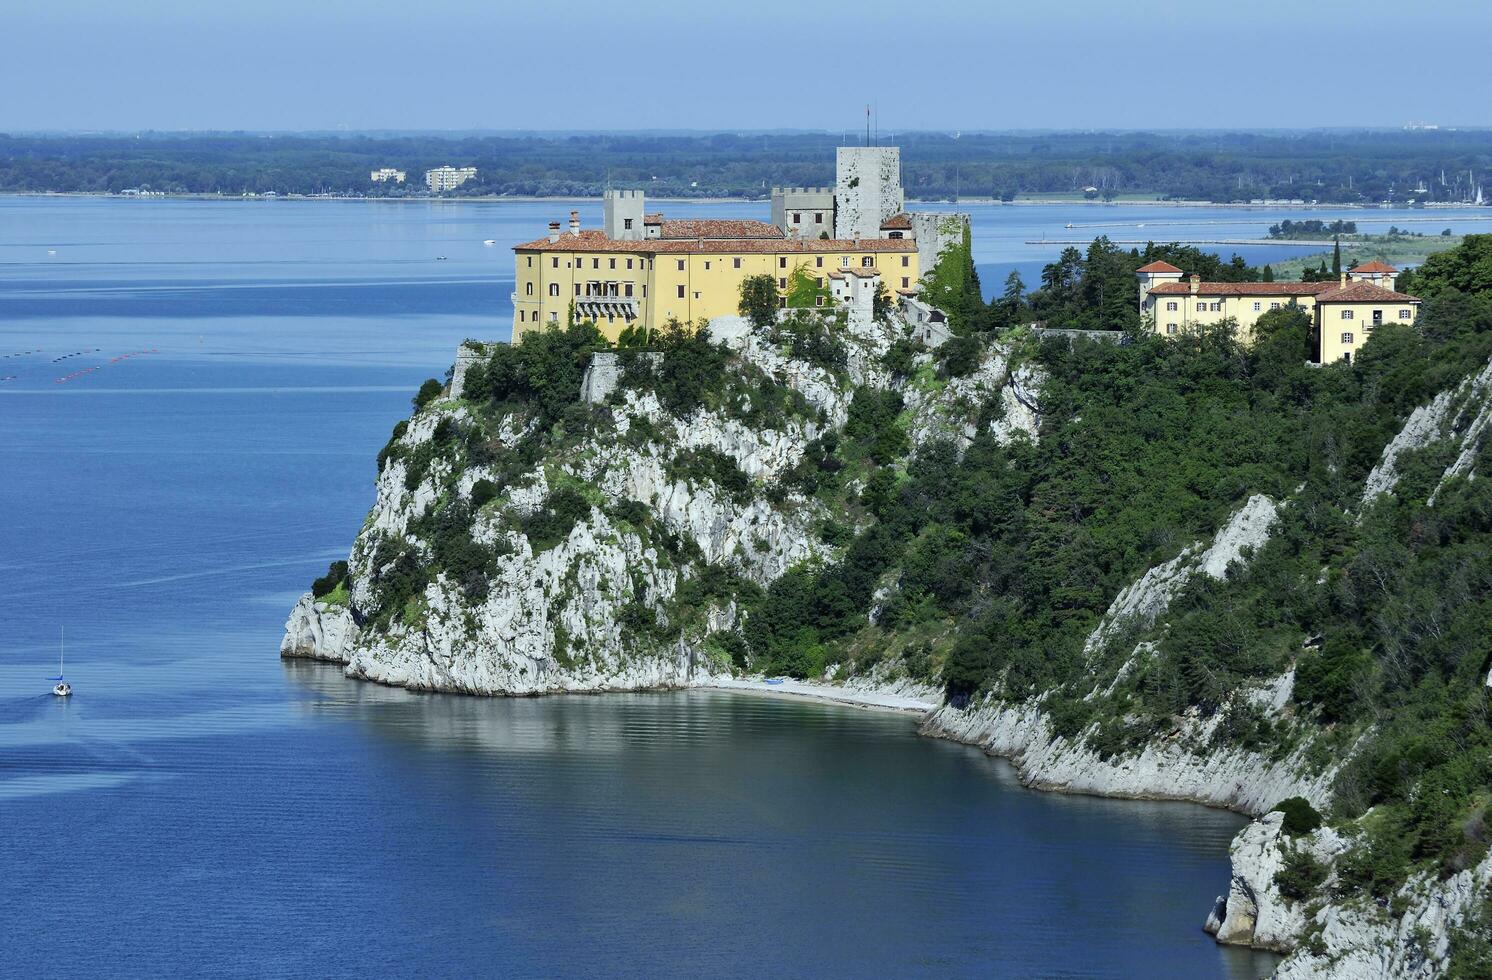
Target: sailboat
[{"x": 62, "y": 689}]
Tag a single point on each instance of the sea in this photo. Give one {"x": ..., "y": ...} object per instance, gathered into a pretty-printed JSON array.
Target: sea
[{"x": 192, "y": 396}]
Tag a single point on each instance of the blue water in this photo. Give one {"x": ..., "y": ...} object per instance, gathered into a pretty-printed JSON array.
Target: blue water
[{"x": 199, "y": 806}]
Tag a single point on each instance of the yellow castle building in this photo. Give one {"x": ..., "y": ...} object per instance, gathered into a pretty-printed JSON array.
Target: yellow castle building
[
  {"x": 642, "y": 270},
  {"x": 686, "y": 271},
  {"x": 1344, "y": 312}
]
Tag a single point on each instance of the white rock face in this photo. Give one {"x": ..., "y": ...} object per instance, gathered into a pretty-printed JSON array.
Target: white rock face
[
  {"x": 1144, "y": 600},
  {"x": 319, "y": 631},
  {"x": 1368, "y": 941},
  {"x": 1166, "y": 769},
  {"x": 1254, "y": 913},
  {"x": 1460, "y": 414}
]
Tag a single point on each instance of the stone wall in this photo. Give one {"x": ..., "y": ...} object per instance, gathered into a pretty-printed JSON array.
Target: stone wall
[
  {"x": 935, "y": 232},
  {"x": 467, "y": 354},
  {"x": 604, "y": 374}
]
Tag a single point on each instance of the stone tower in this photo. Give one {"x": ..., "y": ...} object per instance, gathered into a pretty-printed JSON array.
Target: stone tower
[
  {"x": 868, "y": 189},
  {"x": 622, "y": 215}
]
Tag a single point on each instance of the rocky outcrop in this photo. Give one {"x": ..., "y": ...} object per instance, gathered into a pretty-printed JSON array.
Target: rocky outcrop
[
  {"x": 1142, "y": 602},
  {"x": 1254, "y": 913},
  {"x": 1182, "y": 766},
  {"x": 1364, "y": 939},
  {"x": 1460, "y": 415}
]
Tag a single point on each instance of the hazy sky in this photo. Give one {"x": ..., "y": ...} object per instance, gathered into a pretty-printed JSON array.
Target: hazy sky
[{"x": 573, "y": 64}]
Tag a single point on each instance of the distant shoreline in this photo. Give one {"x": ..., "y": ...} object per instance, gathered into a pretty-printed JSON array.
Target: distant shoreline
[{"x": 522, "y": 199}]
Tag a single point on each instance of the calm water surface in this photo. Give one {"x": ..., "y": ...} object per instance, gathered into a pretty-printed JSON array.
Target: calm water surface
[{"x": 200, "y": 806}]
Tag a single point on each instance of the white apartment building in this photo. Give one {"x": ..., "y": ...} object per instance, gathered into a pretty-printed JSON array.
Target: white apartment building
[{"x": 448, "y": 178}]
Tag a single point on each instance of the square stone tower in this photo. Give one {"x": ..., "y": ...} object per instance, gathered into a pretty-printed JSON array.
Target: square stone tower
[
  {"x": 622, "y": 215},
  {"x": 868, "y": 189}
]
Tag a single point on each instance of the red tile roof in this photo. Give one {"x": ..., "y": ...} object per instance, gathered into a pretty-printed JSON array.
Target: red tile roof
[
  {"x": 1373, "y": 266},
  {"x": 594, "y": 240},
  {"x": 1243, "y": 288},
  {"x": 653, "y": 219},
  {"x": 898, "y": 222},
  {"x": 1158, "y": 267},
  {"x": 1364, "y": 292},
  {"x": 720, "y": 228}
]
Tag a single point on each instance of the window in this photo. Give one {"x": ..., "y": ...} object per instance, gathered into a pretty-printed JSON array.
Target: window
[
  {"x": 797, "y": 217},
  {"x": 1171, "y": 306},
  {"x": 528, "y": 289},
  {"x": 818, "y": 262},
  {"x": 844, "y": 261},
  {"x": 1217, "y": 307},
  {"x": 867, "y": 261},
  {"x": 681, "y": 269},
  {"x": 1274, "y": 306},
  {"x": 522, "y": 317},
  {"x": 627, "y": 223},
  {"x": 782, "y": 261},
  {"x": 1170, "y": 328},
  {"x": 818, "y": 301},
  {"x": 612, "y": 262},
  {"x": 1258, "y": 307},
  {"x": 818, "y": 217},
  {"x": 681, "y": 292},
  {"x": 696, "y": 294},
  {"x": 530, "y": 261},
  {"x": 577, "y": 289},
  {"x": 644, "y": 291},
  {"x": 818, "y": 281},
  {"x": 782, "y": 283},
  {"x": 629, "y": 263},
  {"x": 555, "y": 261},
  {"x": 627, "y": 290},
  {"x": 1201, "y": 307},
  {"x": 1377, "y": 316},
  {"x": 554, "y": 289},
  {"x": 905, "y": 282},
  {"x": 735, "y": 263},
  {"x": 1347, "y": 338},
  {"x": 906, "y": 260},
  {"x": 1404, "y": 314},
  {"x": 707, "y": 266},
  {"x": 1346, "y": 314},
  {"x": 782, "y": 302},
  {"x": 553, "y": 316},
  {"x": 894, "y": 234}
]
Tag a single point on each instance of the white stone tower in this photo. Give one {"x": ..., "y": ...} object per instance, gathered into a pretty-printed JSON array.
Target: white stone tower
[{"x": 868, "y": 189}]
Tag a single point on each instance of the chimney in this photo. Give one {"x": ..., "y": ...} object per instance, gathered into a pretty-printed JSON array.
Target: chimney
[
  {"x": 574, "y": 222},
  {"x": 1342, "y": 280},
  {"x": 1196, "y": 282},
  {"x": 554, "y": 231}
]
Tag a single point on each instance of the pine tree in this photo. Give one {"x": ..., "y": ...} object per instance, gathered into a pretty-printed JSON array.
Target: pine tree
[
  {"x": 1336, "y": 257},
  {"x": 1268, "y": 274}
]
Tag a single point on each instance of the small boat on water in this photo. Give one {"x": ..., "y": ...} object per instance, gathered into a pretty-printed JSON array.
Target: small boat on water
[
  {"x": 62, "y": 688},
  {"x": 774, "y": 680},
  {"x": 489, "y": 242}
]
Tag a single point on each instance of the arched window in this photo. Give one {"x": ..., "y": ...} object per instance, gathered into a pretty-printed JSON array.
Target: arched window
[
  {"x": 528, "y": 288},
  {"x": 554, "y": 289}
]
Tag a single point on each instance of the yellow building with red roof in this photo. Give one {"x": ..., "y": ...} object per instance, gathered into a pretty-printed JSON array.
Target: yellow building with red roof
[
  {"x": 642, "y": 270},
  {"x": 1344, "y": 312}
]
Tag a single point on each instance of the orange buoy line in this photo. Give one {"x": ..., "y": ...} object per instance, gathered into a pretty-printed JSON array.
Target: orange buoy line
[{"x": 113, "y": 360}]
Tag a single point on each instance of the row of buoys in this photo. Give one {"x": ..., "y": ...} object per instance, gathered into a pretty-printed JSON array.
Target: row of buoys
[
  {"x": 19, "y": 353},
  {"x": 76, "y": 353},
  {"x": 113, "y": 360}
]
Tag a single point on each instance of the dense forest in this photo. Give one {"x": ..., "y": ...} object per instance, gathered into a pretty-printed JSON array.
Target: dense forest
[{"x": 1322, "y": 165}]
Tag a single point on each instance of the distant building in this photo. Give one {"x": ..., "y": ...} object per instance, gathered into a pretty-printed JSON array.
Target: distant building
[
  {"x": 387, "y": 174},
  {"x": 1344, "y": 312},
  {"x": 448, "y": 178}
]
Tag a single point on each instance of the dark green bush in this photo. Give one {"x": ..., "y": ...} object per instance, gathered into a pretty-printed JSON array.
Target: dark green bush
[
  {"x": 1300, "y": 875},
  {"x": 1300, "y": 816},
  {"x": 482, "y": 491},
  {"x": 429, "y": 391},
  {"x": 335, "y": 575},
  {"x": 561, "y": 510}
]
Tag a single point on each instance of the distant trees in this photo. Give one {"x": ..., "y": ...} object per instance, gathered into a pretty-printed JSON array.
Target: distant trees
[{"x": 1312, "y": 228}]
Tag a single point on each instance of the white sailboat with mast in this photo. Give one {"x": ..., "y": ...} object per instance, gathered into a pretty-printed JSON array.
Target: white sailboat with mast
[{"x": 62, "y": 689}]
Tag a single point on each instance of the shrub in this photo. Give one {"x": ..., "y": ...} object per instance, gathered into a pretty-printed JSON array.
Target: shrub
[
  {"x": 482, "y": 491},
  {"x": 959, "y": 356},
  {"x": 1300, "y": 816},
  {"x": 335, "y": 575},
  {"x": 1300, "y": 875},
  {"x": 551, "y": 523},
  {"x": 759, "y": 299},
  {"x": 429, "y": 391}
]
